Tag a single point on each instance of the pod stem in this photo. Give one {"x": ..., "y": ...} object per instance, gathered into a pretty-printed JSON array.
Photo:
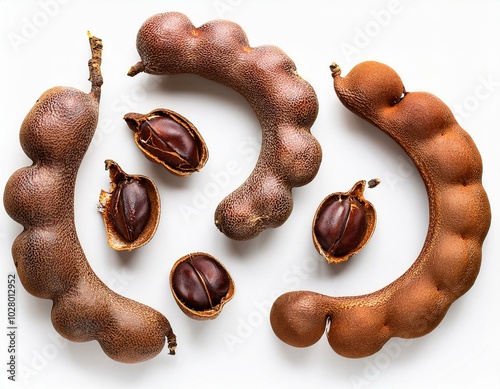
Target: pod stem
[
  {"x": 95, "y": 66},
  {"x": 136, "y": 69},
  {"x": 172, "y": 343},
  {"x": 335, "y": 69},
  {"x": 171, "y": 338}
]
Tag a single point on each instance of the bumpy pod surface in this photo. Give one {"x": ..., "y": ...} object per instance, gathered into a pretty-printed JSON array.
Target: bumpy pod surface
[
  {"x": 48, "y": 256},
  {"x": 285, "y": 104},
  {"x": 459, "y": 219}
]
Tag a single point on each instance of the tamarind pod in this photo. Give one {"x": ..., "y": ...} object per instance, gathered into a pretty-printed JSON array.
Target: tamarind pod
[
  {"x": 285, "y": 104},
  {"x": 459, "y": 219},
  {"x": 49, "y": 259}
]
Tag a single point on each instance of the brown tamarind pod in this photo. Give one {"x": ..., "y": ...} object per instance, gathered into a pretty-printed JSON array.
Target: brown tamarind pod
[
  {"x": 459, "y": 219},
  {"x": 343, "y": 223},
  {"x": 49, "y": 259},
  {"x": 130, "y": 210},
  {"x": 285, "y": 104},
  {"x": 168, "y": 138}
]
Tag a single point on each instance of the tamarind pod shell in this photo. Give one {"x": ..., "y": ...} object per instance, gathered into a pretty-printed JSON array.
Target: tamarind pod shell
[
  {"x": 69, "y": 107},
  {"x": 299, "y": 318},
  {"x": 369, "y": 218},
  {"x": 116, "y": 240},
  {"x": 135, "y": 121},
  {"x": 285, "y": 104},
  {"x": 128, "y": 331},
  {"x": 459, "y": 219},
  {"x": 48, "y": 256}
]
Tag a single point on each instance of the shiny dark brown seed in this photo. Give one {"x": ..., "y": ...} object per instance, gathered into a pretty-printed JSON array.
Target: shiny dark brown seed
[
  {"x": 341, "y": 226},
  {"x": 200, "y": 282},
  {"x": 169, "y": 141},
  {"x": 130, "y": 209},
  {"x": 201, "y": 285}
]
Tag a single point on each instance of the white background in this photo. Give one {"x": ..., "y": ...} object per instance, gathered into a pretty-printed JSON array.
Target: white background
[{"x": 448, "y": 48}]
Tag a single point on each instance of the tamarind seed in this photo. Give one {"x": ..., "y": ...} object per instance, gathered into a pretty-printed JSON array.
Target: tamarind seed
[
  {"x": 200, "y": 285},
  {"x": 130, "y": 209},
  {"x": 168, "y": 138},
  {"x": 343, "y": 224},
  {"x": 169, "y": 141},
  {"x": 340, "y": 226}
]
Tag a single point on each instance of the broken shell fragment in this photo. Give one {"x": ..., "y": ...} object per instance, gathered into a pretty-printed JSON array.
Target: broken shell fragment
[
  {"x": 130, "y": 210},
  {"x": 169, "y": 139},
  {"x": 343, "y": 224}
]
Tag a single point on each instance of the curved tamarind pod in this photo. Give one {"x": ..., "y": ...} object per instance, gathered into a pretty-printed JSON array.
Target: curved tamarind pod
[
  {"x": 49, "y": 259},
  {"x": 459, "y": 219},
  {"x": 285, "y": 104}
]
